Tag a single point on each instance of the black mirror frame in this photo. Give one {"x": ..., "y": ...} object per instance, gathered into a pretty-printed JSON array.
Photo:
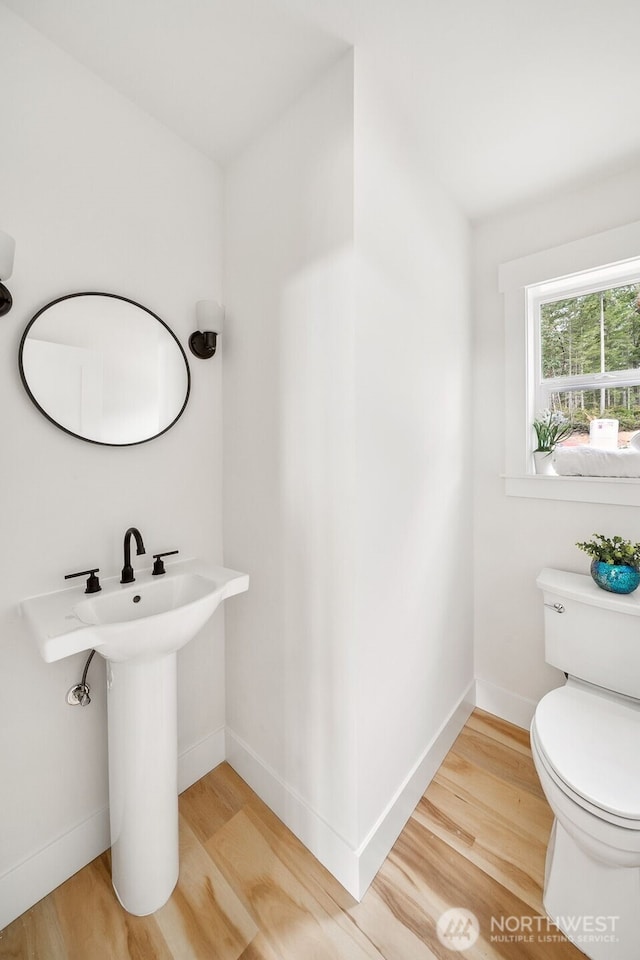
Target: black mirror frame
[{"x": 113, "y": 296}]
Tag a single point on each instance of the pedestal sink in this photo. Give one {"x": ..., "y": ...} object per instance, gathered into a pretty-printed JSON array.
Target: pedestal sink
[{"x": 138, "y": 629}]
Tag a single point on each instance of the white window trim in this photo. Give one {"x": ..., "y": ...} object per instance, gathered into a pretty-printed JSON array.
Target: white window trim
[{"x": 606, "y": 253}]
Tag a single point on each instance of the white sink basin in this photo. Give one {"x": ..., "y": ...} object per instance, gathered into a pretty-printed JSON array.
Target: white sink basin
[{"x": 152, "y": 616}]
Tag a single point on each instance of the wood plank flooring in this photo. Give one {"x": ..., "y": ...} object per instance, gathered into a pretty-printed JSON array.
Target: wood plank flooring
[{"x": 248, "y": 890}]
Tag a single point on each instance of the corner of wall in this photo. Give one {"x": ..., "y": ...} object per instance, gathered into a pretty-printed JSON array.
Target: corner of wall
[
  {"x": 354, "y": 868},
  {"x": 504, "y": 704}
]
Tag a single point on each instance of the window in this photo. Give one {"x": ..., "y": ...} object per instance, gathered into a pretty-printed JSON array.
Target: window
[
  {"x": 572, "y": 342},
  {"x": 586, "y": 355}
]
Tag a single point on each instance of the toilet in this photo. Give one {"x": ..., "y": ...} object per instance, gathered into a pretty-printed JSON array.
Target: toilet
[{"x": 585, "y": 740}]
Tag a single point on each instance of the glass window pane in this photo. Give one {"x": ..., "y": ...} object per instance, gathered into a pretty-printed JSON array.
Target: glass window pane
[
  {"x": 594, "y": 333},
  {"x": 621, "y": 307},
  {"x": 570, "y": 336}
]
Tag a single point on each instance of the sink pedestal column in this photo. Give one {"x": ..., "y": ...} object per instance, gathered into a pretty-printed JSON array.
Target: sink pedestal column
[{"x": 143, "y": 781}]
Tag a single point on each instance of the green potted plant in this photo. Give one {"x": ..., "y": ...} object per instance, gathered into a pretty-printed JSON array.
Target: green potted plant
[
  {"x": 551, "y": 428},
  {"x": 615, "y": 563}
]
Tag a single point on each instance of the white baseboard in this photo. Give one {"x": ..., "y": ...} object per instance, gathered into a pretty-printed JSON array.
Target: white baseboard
[
  {"x": 325, "y": 844},
  {"x": 39, "y": 874},
  {"x": 353, "y": 868},
  {"x": 199, "y": 759},
  {"x": 376, "y": 846},
  {"x": 504, "y": 704}
]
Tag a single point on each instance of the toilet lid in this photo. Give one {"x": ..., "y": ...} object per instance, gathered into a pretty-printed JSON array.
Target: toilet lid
[{"x": 591, "y": 739}]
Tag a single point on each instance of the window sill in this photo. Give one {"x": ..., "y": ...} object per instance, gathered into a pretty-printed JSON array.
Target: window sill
[{"x": 623, "y": 491}]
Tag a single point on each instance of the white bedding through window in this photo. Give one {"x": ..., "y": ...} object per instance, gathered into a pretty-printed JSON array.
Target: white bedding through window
[{"x": 591, "y": 462}]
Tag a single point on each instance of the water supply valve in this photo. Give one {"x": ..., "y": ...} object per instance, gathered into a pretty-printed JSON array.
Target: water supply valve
[{"x": 78, "y": 696}]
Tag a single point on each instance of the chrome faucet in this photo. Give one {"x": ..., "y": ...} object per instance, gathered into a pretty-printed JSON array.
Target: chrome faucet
[{"x": 127, "y": 570}]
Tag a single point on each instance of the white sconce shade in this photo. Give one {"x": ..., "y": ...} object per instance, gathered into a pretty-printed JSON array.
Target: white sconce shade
[
  {"x": 210, "y": 321},
  {"x": 7, "y": 250},
  {"x": 209, "y": 315}
]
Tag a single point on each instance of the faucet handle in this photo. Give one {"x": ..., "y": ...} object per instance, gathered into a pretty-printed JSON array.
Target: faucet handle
[
  {"x": 93, "y": 583},
  {"x": 158, "y": 567}
]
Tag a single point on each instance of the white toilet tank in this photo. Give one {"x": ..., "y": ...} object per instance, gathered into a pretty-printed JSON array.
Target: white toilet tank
[{"x": 590, "y": 633}]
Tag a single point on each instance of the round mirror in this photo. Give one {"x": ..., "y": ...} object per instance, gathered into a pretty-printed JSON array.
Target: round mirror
[{"x": 104, "y": 369}]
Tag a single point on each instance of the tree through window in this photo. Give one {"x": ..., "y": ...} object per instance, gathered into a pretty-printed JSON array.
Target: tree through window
[{"x": 589, "y": 358}]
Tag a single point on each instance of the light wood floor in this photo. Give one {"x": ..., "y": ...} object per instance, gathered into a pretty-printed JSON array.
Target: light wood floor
[{"x": 248, "y": 890}]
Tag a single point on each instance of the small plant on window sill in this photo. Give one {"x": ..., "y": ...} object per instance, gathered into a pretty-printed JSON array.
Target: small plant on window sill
[
  {"x": 551, "y": 428},
  {"x": 612, "y": 550}
]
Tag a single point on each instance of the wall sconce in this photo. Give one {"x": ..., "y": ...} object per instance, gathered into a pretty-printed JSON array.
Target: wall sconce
[
  {"x": 7, "y": 250},
  {"x": 203, "y": 342}
]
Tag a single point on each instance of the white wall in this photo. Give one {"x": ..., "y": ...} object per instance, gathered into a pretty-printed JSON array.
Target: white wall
[
  {"x": 288, "y": 476},
  {"x": 99, "y": 197},
  {"x": 514, "y": 537},
  {"x": 413, "y": 390},
  {"x": 345, "y": 499}
]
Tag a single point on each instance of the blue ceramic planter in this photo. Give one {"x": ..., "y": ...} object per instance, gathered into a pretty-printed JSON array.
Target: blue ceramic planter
[{"x": 616, "y": 578}]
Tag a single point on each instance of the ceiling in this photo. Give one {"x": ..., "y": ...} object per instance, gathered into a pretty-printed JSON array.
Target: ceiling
[{"x": 508, "y": 99}]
